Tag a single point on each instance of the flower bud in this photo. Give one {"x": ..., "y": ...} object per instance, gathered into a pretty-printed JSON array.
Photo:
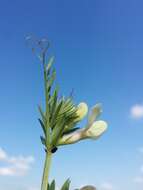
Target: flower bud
[
  {"x": 82, "y": 110},
  {"x": 95, "y": 112},
  {"x": 94, "y": 132}
]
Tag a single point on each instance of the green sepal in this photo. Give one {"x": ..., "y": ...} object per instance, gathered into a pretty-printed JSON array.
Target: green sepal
[
  {"x": 48, "y": 187},
  {"x": 53, "y": 185},
  {"x": 66, "y": 185},
  {"x": 48, "y": 137},
  {"x": 68, "y": 131},
  {"x": 55, "y": 114},
  {"x": 57, "y": 132}
]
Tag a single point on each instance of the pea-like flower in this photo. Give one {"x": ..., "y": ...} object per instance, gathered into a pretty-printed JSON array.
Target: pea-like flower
[
  {"x": 93, "y": 130},
  {"x": 82, "y": 110}
]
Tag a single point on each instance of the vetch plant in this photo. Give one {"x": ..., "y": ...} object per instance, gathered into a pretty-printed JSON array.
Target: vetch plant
[{"x": 60, "y": 118}]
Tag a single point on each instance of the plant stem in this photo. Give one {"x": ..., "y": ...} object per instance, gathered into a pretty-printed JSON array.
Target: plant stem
[{"x": 45, "y": 179}]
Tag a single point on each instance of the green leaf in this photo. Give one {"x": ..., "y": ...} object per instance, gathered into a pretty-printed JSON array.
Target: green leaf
[
  {"x": 43, "y": 126},
  {"x": 42, "y": 114},
  {"x": 49, "y": 65},
  {"x": 55, "y": 114},
  {"x": 66, "y": 185},
  {"x": 57, "y": 132},
  {"x": 43, "y": 140},
  {"x": 51, "y": 80},
  {"x": 65, "y": 115},
  {"x": 53, "y": 103},
  {"x": 48, "y": 188},
  {"x": 52, "y": 186},
  {"x": 67, "y": 110}
]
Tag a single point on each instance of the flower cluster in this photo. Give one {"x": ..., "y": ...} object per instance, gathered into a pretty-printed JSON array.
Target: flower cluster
[{"x": 93, "y": 130}]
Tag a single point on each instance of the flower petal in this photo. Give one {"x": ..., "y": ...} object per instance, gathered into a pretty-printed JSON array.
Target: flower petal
[
  {"x": 95, "y": 112},
  {"x": 71, "y": 138},
  {"x": 96, "y": 130},
  {"x": 82, "y": 110}
]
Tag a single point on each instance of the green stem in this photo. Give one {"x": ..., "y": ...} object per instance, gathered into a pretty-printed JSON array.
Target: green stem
[{"x": 45, "y": 179}]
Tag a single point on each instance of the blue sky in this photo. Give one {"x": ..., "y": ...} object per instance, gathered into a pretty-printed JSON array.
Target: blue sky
[{"x": 98, "y": 49}]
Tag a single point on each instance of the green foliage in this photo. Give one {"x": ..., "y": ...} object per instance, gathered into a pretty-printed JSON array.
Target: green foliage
[
  {"x": 59, "y": 117},
  {"x": 65, "y": 186},
  {"x": 60, "y": 113}
]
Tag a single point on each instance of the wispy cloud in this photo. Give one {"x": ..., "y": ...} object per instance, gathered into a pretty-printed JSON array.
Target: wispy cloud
[
  {"x": 16, "y": 165},
  {"x": 136, "y": 111},
  {"x": 106, "y": 186},
  {"x": 3, "y": 154}
]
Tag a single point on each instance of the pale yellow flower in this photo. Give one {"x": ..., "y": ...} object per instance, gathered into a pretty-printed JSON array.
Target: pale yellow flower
[
  {"x": 82, "y": 110},
  {"x": 93, "y": 130},
  {"x": 96, "y": 129},
  {"x": 94, "y": 114}
]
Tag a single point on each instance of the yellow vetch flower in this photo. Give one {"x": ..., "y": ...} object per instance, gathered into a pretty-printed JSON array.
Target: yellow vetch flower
[
  {"x": 93, "y": 130},
  {"x": 71, "y": 138},
  {"x": 95, "y": 113},
  {"x": 82, "y": 110},
  {"x": 96, "y": 129}
]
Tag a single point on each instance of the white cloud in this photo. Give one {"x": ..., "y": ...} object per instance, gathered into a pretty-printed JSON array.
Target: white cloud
[
  {"x": 2, "y": 154},
  {"x": 106, "y": 186},
  {"x": 15, "y": 165},
  {"x": 136, "y": 111}
]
